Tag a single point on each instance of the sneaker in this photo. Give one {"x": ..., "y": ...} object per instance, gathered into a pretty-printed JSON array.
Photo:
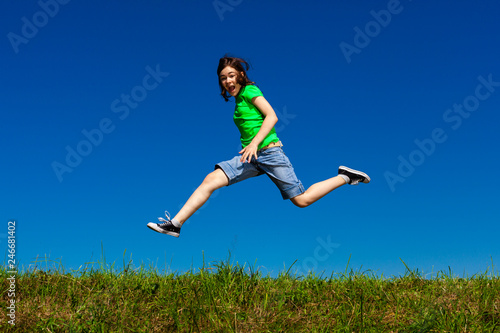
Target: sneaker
[
  {"x": 165, "y": 227},
  {"x": 355, "y": 176}
]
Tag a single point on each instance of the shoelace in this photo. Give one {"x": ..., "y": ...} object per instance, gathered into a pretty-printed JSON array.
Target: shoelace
[{"x": 167, "y": 221}]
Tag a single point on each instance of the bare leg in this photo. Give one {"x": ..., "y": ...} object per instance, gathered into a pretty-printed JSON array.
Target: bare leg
[
  {"x": 317, "y": 191},
  {"x": 212, "y": 182}
]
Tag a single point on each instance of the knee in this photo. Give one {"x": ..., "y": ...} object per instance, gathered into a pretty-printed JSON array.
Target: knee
[
  {"x": 300, "y": 202},
  {"x": 215, "y": 180}
]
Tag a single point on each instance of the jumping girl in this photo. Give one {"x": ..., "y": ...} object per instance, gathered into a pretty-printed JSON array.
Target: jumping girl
[{"x": 262, "y": 152}]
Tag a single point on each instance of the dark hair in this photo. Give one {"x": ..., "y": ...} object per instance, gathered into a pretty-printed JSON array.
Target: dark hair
[{"x": 240, "y": 65}]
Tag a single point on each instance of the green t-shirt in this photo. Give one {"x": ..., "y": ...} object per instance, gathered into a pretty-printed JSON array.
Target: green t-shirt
[{"x": 249, "y": 119}]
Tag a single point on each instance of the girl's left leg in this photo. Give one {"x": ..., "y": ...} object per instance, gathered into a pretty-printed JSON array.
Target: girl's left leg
[{"x": 317, "y": 191}]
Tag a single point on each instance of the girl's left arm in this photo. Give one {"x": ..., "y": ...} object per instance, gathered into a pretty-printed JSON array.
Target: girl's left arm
[{"x": 270, "y": 119}]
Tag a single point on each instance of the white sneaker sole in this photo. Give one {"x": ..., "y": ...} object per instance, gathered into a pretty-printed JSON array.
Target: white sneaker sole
[
  {"x": 154, "y": 226},
  {"x": 359, "y": 173}
]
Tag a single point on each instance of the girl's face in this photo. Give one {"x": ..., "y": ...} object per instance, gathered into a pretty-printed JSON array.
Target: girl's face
[{"x": 229, "y": 79}]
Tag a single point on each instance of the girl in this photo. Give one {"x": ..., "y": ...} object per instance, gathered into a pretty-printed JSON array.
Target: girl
[{"x": 261, "y": 153}]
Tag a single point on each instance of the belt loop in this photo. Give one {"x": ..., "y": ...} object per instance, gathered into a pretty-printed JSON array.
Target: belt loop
[{"x": 271, "y": 145}]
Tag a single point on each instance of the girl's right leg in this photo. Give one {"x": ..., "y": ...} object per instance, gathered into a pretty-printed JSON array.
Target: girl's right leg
[
  {"x": 212, "y": 182},
  {"x": 225, "y": 173}
]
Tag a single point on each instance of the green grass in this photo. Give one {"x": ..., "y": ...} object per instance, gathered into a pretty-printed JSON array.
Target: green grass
[{"x": 229, "y": 297}]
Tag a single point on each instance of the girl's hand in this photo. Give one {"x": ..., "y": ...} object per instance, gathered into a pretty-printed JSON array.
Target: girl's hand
[
  {"x": 270, "y": 120},
  {"x": 249, "y": 152}
]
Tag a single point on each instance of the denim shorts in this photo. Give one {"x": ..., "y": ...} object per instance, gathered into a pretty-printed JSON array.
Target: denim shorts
[{"x": 272, "y": 162}]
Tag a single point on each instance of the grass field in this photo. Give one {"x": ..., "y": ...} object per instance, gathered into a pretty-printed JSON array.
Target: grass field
[{"x": 229, "y": 297}]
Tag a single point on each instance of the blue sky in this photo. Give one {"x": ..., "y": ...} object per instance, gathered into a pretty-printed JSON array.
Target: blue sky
[{"x": 406, "y": 91}]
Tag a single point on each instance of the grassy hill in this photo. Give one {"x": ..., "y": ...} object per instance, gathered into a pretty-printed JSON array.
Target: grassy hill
[{"x": 228, "y": 297}]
